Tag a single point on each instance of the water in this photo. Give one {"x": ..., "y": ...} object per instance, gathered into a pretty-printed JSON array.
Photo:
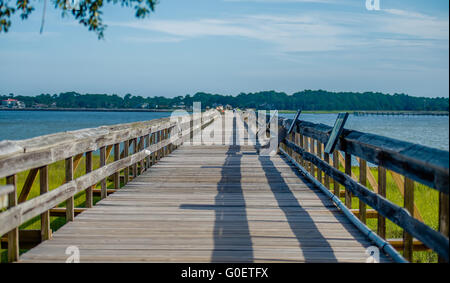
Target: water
[
  {"x": 432, "y": 131},
  {"x": 18, "y": 125}
]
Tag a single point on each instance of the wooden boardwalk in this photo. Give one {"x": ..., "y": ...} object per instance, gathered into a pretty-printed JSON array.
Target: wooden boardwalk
[{"x": 221, "y": 203}]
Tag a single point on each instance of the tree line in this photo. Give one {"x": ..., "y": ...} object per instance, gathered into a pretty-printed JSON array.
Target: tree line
[{"x": 316, "y": 100}]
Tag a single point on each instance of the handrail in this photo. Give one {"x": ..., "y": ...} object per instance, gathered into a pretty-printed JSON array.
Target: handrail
[
  {"x": 417, "y": 163},
  {"x": 157, "y": 138},
  {"x": 426, "y": 165}
]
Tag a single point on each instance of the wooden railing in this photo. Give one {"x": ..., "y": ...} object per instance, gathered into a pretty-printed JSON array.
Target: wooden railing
[
  {"x": 407, "y": 163},
  {"x": 149, "y": 142}
]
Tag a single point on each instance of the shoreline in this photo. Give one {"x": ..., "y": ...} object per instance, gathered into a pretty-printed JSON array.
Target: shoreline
[
  {"x": 354, "y": 112},
  {"x": 90, "y": 109}
]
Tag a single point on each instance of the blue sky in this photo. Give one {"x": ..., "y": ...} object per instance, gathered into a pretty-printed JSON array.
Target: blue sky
[{"x": 233, "y": 46}]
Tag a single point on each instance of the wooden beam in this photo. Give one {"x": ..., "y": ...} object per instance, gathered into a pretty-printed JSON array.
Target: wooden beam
[
  {"x": 336, "y": 187},
  {"x": 89, "y": 167},
  {"x": 46, "y": 232},
  {"x": 417, "y": 245},
  {"x": 61, "y": 211},
  {"x": 126, "y": 148},
  {"x": 409, "y": 206},
  {"x": 399, "y": 181},
  {"x": 381, "y": 227},
  {"x": 348, "y": 171},
  {"x": 362, "y": 181},
  {"x": 103, "y": 181},
  {"x": 27, "y": 239},
  {"x": 117, "y": 174},
  {"x": 98, "y": 192},
  {"x": 370, "y": 213},
  {"x": 13, "y": 234},
  {"x": 443, "y": 218},
  {"x": 26, "y": 189},
  {"x": 70, "y": 202}
]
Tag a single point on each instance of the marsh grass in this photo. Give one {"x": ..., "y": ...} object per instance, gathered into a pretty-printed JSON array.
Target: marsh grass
[
  {"x": 426, "y": 200},
  {"x": 56, "y": 177}
]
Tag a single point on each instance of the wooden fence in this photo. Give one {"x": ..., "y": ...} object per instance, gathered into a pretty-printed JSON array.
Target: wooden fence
[
  {"x": 149, "y": 141},
  {"x": 406, "y": 162}
]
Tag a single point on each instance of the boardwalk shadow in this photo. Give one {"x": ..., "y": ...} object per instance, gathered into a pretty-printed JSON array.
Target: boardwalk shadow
[
  {"x": 300, "y": 221},
  {"x": 232, "y": 240},
  {"x": 231, "y": 234}
]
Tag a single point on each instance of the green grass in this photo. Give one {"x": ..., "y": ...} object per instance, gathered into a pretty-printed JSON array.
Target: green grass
[
  {"x": 56, "y": 178},
  {"x": 426, "y": 200}
]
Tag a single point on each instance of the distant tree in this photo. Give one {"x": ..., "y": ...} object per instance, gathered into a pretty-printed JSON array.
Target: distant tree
[
  {"x": 307, "y": 100},
  {"x": 86, "y": 12}
]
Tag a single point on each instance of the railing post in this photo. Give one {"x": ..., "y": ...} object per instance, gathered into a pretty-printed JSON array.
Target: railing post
[
  {"x": 46, "y": 232},
  {"x": 117, "y": 174},
  {"x": 311, "y": 150},
  {"x": 142, "y": 162},
  {"x": 103, "y": 190},
  {"x": 306, "y": 148},
  {"x": 134, "y": 151},
  {"x": 152, "y": 142},
  {"x": 70, "y": 213},
  {"x": 166, "y": 137},
  {"x": 301, "y": 140},
  {"x": 409, "y": 205},
  {"x": 126, "y": 171},
  {"x": 443, "y": 217},
  {"x": 319, "y": 154},
  {"x": 89, "y": 167},
  {"x": 336, "y": 165},
  {"x": 158, "y": 138},
  {"x": 13, "y": 235},
  {"x": 363, "y": 181},
  {"x": 381, "y": 231},
  {"x": 326, "y": 157},
  {"x": 348, "y": 171}
]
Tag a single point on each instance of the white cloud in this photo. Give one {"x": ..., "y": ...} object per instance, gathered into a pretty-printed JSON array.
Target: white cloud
[
  {"x": 294, "y": 33},
  {"x": 312, "y": 31},
  {"x": 416, "y": 25}
]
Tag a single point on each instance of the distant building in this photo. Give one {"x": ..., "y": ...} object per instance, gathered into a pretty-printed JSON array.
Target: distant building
[{"x": 13, "y": 103}]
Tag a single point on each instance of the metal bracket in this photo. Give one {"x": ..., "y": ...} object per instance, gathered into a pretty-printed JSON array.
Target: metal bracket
[
  {"x": 336, "y": 132},
  {"x": 299, "y": 111}
]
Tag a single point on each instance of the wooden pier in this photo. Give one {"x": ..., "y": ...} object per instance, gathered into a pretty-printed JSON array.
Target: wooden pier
[
  {"x": 401, "y": 113},
  {"x": 188, "y": 202}
]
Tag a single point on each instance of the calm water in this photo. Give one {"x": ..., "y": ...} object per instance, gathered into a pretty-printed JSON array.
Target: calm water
[
  {"x": 431, "y": 131},
  {"x": 17, "y": 125}
]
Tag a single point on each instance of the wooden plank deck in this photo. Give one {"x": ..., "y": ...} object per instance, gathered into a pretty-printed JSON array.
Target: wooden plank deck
[{"x": 221, "y": 203}]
